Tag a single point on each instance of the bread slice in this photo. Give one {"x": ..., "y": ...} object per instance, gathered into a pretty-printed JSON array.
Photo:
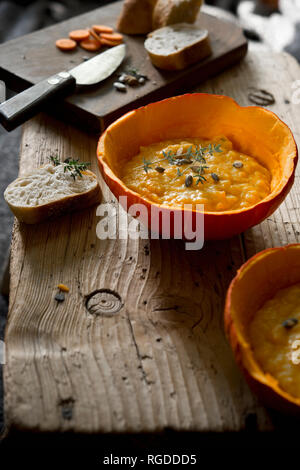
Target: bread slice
[
  {"x": 168, "y": 12},
  {"x": 49, "y": 192},
  {"x": 178, "y": 46},
  {"x": 136, "y": 17}
]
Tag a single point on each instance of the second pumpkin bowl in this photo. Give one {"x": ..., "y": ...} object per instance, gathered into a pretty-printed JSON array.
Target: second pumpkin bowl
[{"x": 257, "y": 281}]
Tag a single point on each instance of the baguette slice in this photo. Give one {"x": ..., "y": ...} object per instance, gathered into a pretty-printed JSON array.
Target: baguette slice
[
  {"x": 178, "y": 46},
  {"x": 136, "y": 17},
  {"x": 168, "y": 12},
  {"x": 49, "y": 192}
]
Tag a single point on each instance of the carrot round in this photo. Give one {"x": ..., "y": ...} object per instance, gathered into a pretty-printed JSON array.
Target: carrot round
[
  {"x": 90, "y": 45},
  {"x": 112, "y": 36},
  {"x": 95, "y": 35},
  {"x": 101, "y": 28},
  {"x": 65, "y": 44},
  {"x": 79, "y": 34},
  {"x": 106, "y": 42}
]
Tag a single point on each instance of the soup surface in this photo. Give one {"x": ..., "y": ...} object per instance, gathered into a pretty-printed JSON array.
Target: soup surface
[
  {"x": 193, "y": 170},
  {"x": 275, "y": 338}
]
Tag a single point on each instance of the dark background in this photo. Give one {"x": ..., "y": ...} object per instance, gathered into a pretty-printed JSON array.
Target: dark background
[{"x": 21, "y": 17}]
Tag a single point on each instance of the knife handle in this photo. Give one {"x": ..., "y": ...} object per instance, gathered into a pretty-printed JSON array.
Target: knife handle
[{"x": 28, "y": 103}]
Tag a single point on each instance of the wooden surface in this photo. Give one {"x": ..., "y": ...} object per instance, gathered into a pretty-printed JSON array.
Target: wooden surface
[
  {"x": 160, "y": 360},
  {"x": 27, "y": 60}
]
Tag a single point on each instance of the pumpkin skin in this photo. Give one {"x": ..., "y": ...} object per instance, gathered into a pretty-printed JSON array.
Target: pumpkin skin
[
  {"x": 253, "y": 130},
  {"x": 255, "y": 282}
]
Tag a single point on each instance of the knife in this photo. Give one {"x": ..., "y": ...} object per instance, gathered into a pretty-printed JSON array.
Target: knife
[{"x": 26, "y": 104}]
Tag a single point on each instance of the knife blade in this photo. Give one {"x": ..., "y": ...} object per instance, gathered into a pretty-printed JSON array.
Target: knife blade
[{"x": 26, "y": 104}]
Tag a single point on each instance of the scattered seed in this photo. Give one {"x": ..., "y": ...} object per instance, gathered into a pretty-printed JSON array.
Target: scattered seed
[
  {"x": 289, "y": 323},
  {"x": 215, "y": 177},
  {"x": 120, "y": 87},
  {"x": 131, "y": 80},
  {"x": 160, "y": 169},
  {"x": 60, "y": 297},
  {"x": 122, "y": 78},
  {"x": 188, "y": 181},
  {"x": 238, "y": 164}
]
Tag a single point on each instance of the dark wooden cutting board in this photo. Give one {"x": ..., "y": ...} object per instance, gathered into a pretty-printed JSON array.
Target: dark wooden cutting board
[{"x": 25, "y": 61}]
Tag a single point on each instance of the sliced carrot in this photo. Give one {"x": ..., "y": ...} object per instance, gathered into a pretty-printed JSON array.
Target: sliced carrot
[
  {"x": 65, "y": 44},
  {"x": 90, "y": 45},
  {"x": 79, "y": 34},
  {"x": 95, "y": 35},
  {"x": 112, "y": 36},
  {"x": 108, "y": 43},
  {"x": 101, "y": 28}
]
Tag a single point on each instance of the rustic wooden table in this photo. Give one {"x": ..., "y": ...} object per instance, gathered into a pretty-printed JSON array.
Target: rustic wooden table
[{"x": 161, "y": 359}]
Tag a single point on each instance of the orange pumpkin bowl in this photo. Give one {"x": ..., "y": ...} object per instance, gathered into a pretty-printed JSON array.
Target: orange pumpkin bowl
[
  {"x": 253, "y": 130},
  {"x": 257, "y": 281}
]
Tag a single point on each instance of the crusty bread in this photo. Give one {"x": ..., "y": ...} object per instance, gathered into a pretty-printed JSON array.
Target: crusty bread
[
  {"x": 177, "y": 46},
  {"x": 49, "y": 192},
  {"x": 168, "y": 12},
  {"x": 136, "y": 17},
  {"x": 143, "y": 16}
]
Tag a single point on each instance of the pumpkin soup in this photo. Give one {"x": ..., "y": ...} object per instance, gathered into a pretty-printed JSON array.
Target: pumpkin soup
[
  {"x": 275, "y": 338},
  {"x": 197, "y": 171}
]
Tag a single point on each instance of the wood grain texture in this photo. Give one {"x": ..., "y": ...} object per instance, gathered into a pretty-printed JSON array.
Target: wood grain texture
[
  {"x": 32, "y": 58},
  {"x": 159, "y": 359}
]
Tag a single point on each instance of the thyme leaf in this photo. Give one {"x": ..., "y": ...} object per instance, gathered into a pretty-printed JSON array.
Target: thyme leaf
[
  {"x": 147, "y": 165},
  {"x": 73, "y": 166},
  {"x": 189, "y": 157}
]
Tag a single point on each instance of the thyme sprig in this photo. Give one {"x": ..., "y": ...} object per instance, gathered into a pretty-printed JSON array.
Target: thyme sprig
[
  {"x": 190, "y": 157},
  {"x": 75, "y": 167}
]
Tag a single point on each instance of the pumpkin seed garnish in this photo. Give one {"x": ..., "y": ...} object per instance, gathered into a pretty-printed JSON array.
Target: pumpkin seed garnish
[
  {"x": 215, "y": 177},
  {"x": 182, "y": 161},
  {"x": 289, "y": 323},
  {"x": 188, "y": 181},
  {"x": 189, "y": 157},
  {"x": 159, "y": 169},
  {"x": 238, "y": 164}
]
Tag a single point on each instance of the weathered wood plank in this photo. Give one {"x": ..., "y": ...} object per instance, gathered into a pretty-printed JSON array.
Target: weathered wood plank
[{"x": 162, "y": 360}]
